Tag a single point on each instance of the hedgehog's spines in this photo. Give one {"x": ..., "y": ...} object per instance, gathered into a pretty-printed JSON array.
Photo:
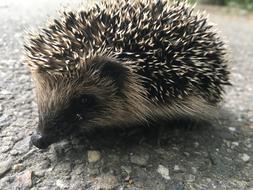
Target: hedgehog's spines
[{"x": 161, "y": 40}]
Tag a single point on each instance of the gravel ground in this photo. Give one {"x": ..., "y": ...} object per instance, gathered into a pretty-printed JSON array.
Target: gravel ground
[{"x": 175, "y": 157}]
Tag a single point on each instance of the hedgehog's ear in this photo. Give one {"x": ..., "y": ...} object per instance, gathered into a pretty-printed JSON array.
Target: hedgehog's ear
[{"x": 112, "y": 69}]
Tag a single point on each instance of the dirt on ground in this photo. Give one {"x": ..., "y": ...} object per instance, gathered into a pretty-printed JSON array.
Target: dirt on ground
[{"x": 169, "y": 156}]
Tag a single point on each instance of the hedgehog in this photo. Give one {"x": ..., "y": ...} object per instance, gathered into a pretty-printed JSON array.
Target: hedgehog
[{"x": 122, "y": 63}]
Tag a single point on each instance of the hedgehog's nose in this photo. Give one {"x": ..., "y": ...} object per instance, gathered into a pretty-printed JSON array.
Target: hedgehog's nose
[{"x": 40, "y": 141}]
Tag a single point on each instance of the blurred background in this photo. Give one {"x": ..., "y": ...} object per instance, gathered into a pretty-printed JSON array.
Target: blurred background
[{"x": 245, "y": 4}]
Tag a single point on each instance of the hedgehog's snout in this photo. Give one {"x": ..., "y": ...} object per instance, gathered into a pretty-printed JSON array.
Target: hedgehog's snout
[{"x": 40, "y": 141}]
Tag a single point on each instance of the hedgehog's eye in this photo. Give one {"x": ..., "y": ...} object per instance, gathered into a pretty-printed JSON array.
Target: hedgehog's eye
[
  {"x": 84, "y": 100},
  {"x": 83, "y": 104},
  {"x": 87, "y": 100}
]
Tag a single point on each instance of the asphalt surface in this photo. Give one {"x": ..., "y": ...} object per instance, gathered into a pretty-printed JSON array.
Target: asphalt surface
[{"x": 174, "y": 157}]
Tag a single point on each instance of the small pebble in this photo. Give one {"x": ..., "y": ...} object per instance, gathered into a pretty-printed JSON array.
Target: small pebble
[
  {"x": 18, "y": 167},
  {"x": 176, "y": 168},
  {"x": 93, "y": 156},
  {"x": 163, "y": 171},
  {"x": 14, "y": 152},
  {"x": 233, "y": 129},
  {"x": 245, "y": 157},
  {"x": 60, "y": 183},
  {"x": 39, "y": 173},
  {"x": 235, "y": 143},
  {"x": 196, "y": 144},
  {"x": 194, "y": 170},
  {"x": 4, "y": 92},
  {"x": 24, "y": 180}
]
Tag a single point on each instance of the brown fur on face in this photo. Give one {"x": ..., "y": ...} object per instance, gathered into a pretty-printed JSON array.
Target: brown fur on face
[{"x": 118, "y": 99}]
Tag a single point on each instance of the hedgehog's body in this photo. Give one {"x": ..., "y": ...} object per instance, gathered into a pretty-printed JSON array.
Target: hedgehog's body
[{"x": 125, "y": 62}]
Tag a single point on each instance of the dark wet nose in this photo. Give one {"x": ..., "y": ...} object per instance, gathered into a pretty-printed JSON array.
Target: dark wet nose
[{"x": 39, "y": 141}]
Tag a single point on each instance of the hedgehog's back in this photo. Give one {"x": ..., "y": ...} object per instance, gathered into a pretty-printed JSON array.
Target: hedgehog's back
[{"x": 174, "y": 51}]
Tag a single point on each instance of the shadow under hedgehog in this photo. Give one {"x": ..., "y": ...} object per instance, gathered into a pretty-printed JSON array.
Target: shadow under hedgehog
[{"x": 122, "y": 63}]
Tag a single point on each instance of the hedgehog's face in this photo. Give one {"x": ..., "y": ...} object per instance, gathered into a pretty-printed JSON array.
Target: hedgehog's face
[{"x": 90, "y": 100}]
